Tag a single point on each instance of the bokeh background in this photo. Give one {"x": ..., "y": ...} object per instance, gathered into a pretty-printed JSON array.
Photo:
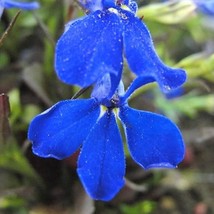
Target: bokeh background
[{"x": 183, "y": 36}]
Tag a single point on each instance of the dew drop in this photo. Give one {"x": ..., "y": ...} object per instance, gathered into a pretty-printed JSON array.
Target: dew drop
[{"x": 123, "y": 16}]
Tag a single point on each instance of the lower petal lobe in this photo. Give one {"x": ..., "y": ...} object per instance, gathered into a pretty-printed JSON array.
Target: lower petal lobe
[
  {"x": 101, "y": 165},
  {"x": 142, "y": 58},
  {"x": 90, "y": 48},
  {"x": 59, "y": 131},
  {"x": 153, "y": 140}
]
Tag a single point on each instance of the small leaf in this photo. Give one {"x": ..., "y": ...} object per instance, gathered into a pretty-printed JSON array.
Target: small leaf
[
  {"x": 34, "y": 78},
  {"x": 12, "y": 159},
  {"x": 189, "y": 105}
]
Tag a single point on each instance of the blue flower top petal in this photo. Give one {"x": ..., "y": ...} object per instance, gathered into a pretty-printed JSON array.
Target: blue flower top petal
[
  {"x": 89, "y": 49},
  {"x": 142, "y": 58},
  {"x": 22, "y": 5},
  {"x": 93, "y": 46}
]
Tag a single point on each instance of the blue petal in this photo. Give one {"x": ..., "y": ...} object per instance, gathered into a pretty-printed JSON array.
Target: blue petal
[
  {"x": 109, "y": 3},
  {"x": 142, "y": 58},
  {"x": 59, "y": 131},
  {"x": 153, "y": 140},
  {"x": 105, "y": 87},
  {"x": 138, "y": 82},
  {"x": 101, "y": 165},
  {"x": 22, "y": 5},
  {"x": 89, "y": 49}
]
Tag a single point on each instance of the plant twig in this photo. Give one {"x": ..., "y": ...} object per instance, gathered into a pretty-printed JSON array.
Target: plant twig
[{"x": 9, "y": 28}]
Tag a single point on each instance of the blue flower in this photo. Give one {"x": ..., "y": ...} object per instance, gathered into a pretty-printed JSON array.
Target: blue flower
[
  {"x": 90, "y": 124},
  {"x": 17, "y": 4},
  {"x": 94, "y": 45},
  {"x": 206, "y": 7}
]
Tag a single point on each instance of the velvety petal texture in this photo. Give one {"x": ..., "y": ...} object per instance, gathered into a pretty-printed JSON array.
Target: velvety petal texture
[
  {"x": 59, "y": 131},
  {"x": 141, "y": 55},
  {"x": 105, "y": 87},
  {"x": 101, "y": 165},
  {"x": 22, "y": 5},
  {"x": 137, "y": 83},
  {"x": 89, "y": 49},
  {"x": 102, "y": 88},
  {"x": 153, "y": 140}
]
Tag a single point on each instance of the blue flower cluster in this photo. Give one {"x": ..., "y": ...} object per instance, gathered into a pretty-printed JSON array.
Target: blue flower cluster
[
  {"x": 91, "y": 51},
  {"x": 17, "y": 4}
]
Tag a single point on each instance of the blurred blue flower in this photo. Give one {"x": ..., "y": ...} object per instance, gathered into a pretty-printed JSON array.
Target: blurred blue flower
[
  {"x": 90, "y": 124},
  {"x": 94, "y": 45},
  {"x": 17, "y": 4},
  {"x": 205, "y": 6}
]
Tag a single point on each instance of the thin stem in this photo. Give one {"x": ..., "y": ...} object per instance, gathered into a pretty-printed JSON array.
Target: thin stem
[
  {"x": 9, "y": 28},
  {"x": 80, "y": 92}
]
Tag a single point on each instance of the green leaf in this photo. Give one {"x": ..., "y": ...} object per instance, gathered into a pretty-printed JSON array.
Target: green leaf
[
  {"x": 189, "y": 105},
  {"x": 167, "y": 12},
  {"x": 199, "y": 65},
  {"x": 13, "y": 159},
  {"x": 14, "y": 204}
]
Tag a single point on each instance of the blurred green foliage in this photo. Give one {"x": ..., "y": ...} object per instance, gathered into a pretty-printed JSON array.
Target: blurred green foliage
[
  {"x": 145, "y": 207},
  {"x": 182, "y": 38}
]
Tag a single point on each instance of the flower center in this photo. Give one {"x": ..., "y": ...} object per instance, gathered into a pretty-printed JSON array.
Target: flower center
[{"x": 115, "y": 101}]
